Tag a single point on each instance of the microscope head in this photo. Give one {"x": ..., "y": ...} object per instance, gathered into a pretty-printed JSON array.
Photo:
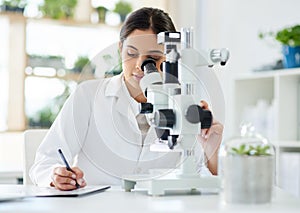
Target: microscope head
[
  {"x": 219, "y": 55},
  {"x": 224, "y": 56}
]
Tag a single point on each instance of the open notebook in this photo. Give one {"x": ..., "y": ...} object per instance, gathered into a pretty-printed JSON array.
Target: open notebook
[{"x": 52, "y": 192}]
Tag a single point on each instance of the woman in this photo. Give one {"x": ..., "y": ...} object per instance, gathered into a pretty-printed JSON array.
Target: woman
[{"x": 97, "y": 128}]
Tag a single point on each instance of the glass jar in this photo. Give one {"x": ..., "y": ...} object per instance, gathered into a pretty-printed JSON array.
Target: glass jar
[{"x": 248, "y": 165}]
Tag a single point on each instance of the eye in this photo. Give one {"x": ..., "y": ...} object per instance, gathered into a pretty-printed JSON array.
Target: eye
[
  {"x": 155, "y": 57},
  {"x": 132, "y": 53}
]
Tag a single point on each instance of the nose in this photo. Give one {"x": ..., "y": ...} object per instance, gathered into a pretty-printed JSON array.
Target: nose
[{"x": 139, "y": 61}]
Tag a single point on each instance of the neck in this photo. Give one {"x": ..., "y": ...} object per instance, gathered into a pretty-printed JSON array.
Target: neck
[
  {"x": 140, "y": 98},
  {"x": 136, "y": 93}
]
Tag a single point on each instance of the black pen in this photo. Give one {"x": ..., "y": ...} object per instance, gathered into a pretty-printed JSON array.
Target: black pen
[{"x": 67, "y": 165}]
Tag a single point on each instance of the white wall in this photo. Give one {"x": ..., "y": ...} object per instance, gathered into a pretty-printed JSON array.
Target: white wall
[
  {"x": 183, "y": 13},
  {"x": 235, "y": 24}
]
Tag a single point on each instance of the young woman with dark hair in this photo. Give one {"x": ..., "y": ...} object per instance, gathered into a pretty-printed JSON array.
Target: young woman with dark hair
[{"x": 98, "y": 129}]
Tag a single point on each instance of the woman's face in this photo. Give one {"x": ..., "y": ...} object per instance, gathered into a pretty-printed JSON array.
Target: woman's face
[{"x": 138, "y": 46}]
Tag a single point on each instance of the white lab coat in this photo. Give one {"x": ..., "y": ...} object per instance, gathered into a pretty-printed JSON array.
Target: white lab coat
[{"x": 98, "y": 132}]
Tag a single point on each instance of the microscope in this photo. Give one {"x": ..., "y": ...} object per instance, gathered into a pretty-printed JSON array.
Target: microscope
[{"x": 173, "y": 109}]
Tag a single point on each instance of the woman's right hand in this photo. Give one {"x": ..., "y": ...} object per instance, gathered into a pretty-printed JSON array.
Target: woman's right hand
[{"x": 64, "y": 179}]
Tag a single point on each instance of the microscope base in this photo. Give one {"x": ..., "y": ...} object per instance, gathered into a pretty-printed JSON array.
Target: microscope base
[{"x": 158, "y": 186}]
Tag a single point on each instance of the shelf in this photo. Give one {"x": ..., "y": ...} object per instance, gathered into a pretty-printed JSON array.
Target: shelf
[
  {"x": 280, "y": 116},
  {"x": 287, "y": 144},
  {"x": 69, "y": 76},
  {"x": 269, "y": 74},
  {"x": 70, "y": 23},
  {"x": 12, "y": 15},
  {"x": 57, "y": 22}
]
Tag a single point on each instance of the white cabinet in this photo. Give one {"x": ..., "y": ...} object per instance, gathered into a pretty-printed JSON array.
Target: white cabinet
[{"x": 282, "y": 88}]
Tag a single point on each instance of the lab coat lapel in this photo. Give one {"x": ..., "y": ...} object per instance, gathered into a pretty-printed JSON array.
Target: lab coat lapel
[{"x": 122, "y": 104}]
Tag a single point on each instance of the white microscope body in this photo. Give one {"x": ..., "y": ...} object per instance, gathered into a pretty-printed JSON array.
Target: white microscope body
[{"x": 174, "y": 110}]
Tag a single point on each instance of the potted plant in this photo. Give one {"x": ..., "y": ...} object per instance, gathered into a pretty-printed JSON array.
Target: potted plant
[
  {"x": 17, "y": 6},
  {"x": 57, "y": 62},
  {"x": 59, "y": 9},
  {"x": 101, "y": 13},
  {"x": 123, "y": 8},
  {"x": 289, "y": 38},
  {"x": 83, "y": 64},
  {"x": 248, "y": 169}
]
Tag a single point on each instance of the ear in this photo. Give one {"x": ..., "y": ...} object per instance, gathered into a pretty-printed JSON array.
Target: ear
[{"x": 120, "y": 46}]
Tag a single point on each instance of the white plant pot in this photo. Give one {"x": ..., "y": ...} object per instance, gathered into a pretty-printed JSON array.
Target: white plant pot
[{"x": 248, "y": 179}]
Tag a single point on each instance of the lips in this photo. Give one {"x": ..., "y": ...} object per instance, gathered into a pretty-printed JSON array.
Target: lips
[{"x": 138, "y": 77}]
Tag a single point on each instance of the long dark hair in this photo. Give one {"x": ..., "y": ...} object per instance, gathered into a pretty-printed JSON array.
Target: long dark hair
[{"x": 147, "y": 18}]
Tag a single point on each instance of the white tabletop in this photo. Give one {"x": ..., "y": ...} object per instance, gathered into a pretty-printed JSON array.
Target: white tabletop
[{"x": 116, "y": 200}]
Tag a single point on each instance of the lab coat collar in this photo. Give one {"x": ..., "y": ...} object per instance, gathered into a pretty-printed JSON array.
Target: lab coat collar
[{"x": 115, "y": 88}]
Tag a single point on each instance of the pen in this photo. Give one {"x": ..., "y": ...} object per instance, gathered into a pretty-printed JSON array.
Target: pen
[{"x": 67, "y": 165}]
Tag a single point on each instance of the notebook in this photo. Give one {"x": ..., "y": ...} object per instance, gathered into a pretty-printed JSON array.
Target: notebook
[
  {"x": 10, "y": 197},
  {"x": 52, "y": 192}
]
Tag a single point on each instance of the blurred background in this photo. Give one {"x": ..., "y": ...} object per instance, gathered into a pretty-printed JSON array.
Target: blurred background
[{"x": 45, "y": 45}]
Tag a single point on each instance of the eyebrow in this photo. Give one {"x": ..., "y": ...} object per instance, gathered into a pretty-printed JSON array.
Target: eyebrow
[
  {"x": 132, "y": 47},
  {"x": 150, "y": 51},
  {"x": 156, "y": 51}
]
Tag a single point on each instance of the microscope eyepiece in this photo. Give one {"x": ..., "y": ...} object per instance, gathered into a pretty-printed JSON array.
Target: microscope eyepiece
[{"x": 149, "y": 66}]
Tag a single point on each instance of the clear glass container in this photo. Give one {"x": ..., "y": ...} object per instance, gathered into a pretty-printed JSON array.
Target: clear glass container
[
  {"x": 248, "y": 165},
  {"x": 249, "y": 143}
]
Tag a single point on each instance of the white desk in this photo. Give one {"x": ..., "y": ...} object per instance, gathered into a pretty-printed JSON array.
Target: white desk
[{"x": 116, "y": 200}]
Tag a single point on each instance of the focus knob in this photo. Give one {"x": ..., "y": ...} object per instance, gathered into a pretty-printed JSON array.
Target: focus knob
[
  {"x": 196, "y": 114},
  {"x": 164, "y": 118}
]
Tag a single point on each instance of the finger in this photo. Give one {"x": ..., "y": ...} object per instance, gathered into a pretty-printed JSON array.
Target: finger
[
  {"x": 78, "y": 172},
  {"x": 62, "y": 171},
  {"x": 203, "y": 132},
  {"x": 63, "y": 183},
  {"x": 63, "y": 180},
  {"x": 208, "y": 133},
  {"x": 79, "y": 176},
  {"x": 81, "y": 182},
  {"x": 204, "y": 104},
  {"x": 65, "y": 187}
]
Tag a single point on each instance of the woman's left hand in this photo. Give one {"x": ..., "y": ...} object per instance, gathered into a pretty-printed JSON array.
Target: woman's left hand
[
  {"x": 210, "y": 140},
  {"x": 216, "y": 127}
]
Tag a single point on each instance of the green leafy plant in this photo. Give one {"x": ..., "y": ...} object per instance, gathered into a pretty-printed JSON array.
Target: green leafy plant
[
  {"x": 101, "y": 13},
  {"x": 289, "y": 36},
  {"x": 83, "y": 63},
  {"x": 123, "y": 8},
  {"x": 259, "y": 150},
  {"x": 59, "y": 9},
  {"x": 14, "y": 5}
]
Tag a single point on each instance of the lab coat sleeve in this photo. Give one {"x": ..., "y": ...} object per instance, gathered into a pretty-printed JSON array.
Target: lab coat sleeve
[
  {"x": 201, "y": 161},
  {"x": 67, "y": 133}
]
